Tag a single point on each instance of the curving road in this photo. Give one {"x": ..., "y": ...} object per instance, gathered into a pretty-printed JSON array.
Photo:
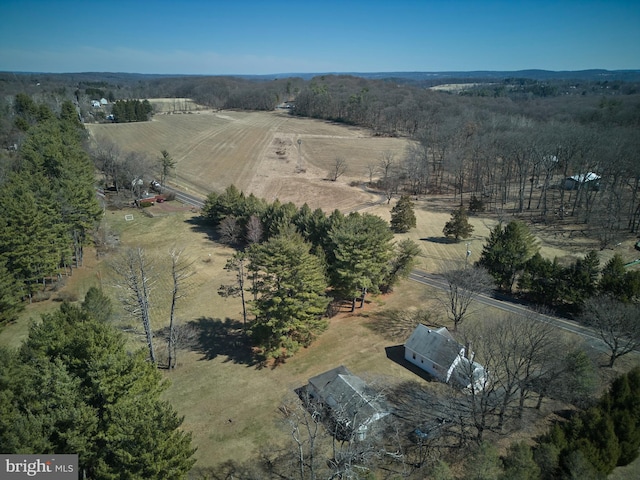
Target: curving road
[
  {"x": 497, "y": 300},
  {"x": 508, "y": 304}
]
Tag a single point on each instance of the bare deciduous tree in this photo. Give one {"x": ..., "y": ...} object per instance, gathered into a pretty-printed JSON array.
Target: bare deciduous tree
[
  {"x": 616, "y": 323},
  {"x": 305, "y": 424},
  {"x": 518, "y": 352},
  {"x": 181, "y": 270},
  {"x": 464, "y": 286},
  {"x": 371, "y": 170},
  {"x": 254, "y": 230},
  {"x": 236, "y": 264},
  {"x": 339, "y": 168},
  {"x": 134, "y": 280},
  {"x": 229, "y": 230}
]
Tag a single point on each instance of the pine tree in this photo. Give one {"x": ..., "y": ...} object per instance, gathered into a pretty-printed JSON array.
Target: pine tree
[
  {"x": 612, "y": 281},
  {"x": 291, "y": 300},
  {"x": 10, "y": 295},
  {"x": 519, "y": 463},
  {"x": 507, "y": 251},
  {"x": 360, "y": 253},
  {"x": 402, "y": 263},
  {"x": 97, "y": 304},
  {"x": 458, "y": 227},
  {"x": 75, "y": 388},
  {"x": 403, "y": 217}
]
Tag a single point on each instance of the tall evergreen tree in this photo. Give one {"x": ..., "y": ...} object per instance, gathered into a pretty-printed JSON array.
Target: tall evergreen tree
[
  {"x": 10, "y": 294},
  {"x": 290, "y": 301},
  {"x": 31, "y": 240},
  {"x": 403, "y": 217},
  {"x": 74, "y": 388},
  {"x": 402, "y": 263},
  {"x": 507, "y": 251},
  {"x": 616, "y": 281},
  {"x": 361, "y": 249}
]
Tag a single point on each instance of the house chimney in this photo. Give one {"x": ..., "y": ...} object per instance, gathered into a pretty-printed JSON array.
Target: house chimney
[{"x": 467, "y": 351}]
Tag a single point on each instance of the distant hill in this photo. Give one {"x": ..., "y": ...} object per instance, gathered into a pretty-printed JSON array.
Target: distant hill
[
  {"x": 483, "y": 75},
  {"x": 430, "y": 77}
]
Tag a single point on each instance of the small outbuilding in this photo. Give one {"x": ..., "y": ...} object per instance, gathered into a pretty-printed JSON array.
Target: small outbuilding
[
  {"x": 590, "y": 180},
  {"x": 438, "y": 353},
  {"x": 351, "y": 403}
]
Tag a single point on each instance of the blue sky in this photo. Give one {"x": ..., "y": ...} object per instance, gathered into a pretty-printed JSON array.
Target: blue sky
[{"x": 266, "y": 37}]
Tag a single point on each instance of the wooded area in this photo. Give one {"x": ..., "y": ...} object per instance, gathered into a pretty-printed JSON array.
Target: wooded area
[{"x": 562, "y": 153}]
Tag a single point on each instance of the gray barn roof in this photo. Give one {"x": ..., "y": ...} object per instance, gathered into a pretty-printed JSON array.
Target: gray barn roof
[{"x": 347, "y": 395}]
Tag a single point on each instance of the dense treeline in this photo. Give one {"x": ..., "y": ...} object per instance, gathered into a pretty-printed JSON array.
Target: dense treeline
[
  {"x": 47, "y": 198},
  {"x": 511, "y": 255},
  {"x": 295, "y": 258},
  {"x": 592, "y": 442},
  {"x": 131, "y": 111},
  {"x": 516, "y": 155},
  {"x": 74, "y": 388}
]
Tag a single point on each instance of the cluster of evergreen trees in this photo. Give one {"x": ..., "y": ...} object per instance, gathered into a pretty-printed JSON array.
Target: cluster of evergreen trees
[
  {"x": 131, "y": 111},
  {"x": 591, "y": 443},
  {"x": 48, "y": 202},
  {"x": 297, "y": 257},
  {"x": 512, "y": 256},
  {"x": 74, "y": 388}
]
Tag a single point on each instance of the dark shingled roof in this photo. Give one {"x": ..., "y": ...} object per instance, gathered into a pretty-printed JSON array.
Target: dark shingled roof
[{"x": 347, "y": 395}]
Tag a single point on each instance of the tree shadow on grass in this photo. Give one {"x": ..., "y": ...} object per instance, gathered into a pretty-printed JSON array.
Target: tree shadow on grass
[
  {"x": 200, "y": 225},
  {"x": 216, "y": 337},
  {"x": 442, "y": 240}
]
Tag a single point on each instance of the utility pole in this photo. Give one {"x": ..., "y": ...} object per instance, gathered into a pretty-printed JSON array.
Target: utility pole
[
  {"x": 299, "y": 166},
  {"x": 466, "y": 258}
]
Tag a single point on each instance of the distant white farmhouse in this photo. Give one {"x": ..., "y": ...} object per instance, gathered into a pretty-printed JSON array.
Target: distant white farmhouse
[
  {"x": 436, "y": 352},
  {"x": 95, "y": 103},
  {"x": 351, "y": 403},
  {"x": 590, "y": 179},
  {"x": 104, "y": 101}
]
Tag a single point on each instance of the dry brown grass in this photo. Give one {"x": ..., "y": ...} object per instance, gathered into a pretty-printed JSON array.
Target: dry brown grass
[{"x": 229, "y": 404}]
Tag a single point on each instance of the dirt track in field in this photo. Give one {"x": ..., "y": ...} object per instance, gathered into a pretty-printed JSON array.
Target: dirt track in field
[{"x": 269, "y": 154}]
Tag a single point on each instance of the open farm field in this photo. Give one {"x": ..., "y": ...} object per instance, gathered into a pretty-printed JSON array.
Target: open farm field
[
  {"x": 259, "y": 153},
  {"x": 274, "y": 155}
]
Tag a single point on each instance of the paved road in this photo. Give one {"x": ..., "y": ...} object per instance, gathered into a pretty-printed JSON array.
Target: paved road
[
  {"x": 504, "y": 303},
  {"x": 496, "y": 300},
  {"x": 187, "y": 198}
]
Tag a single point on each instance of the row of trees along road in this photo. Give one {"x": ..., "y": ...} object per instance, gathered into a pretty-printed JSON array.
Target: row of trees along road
[
  {"x": 291, "y": 260},
  {"x": 606, "y": 298},
  {"x": 48, "y": 202}
]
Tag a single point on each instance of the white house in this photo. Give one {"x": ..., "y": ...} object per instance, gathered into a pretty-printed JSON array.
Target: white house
[
  {"x": 351, "y": 403},
  {"x": 436, "y": 352},
  {"x": 95, "y": 103},
  {"x": 103, "y": 101}
]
